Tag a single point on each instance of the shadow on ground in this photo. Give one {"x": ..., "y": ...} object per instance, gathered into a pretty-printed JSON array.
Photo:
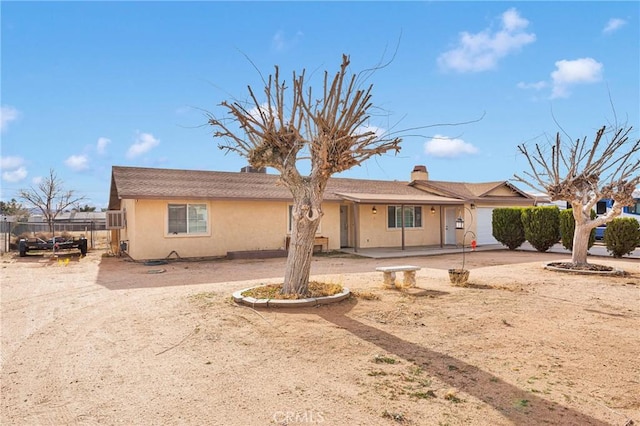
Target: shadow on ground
[{"x": 486, "y": 387}]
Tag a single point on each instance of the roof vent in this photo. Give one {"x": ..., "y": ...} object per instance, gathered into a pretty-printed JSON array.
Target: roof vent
[
  {"x": 419, "y": 173},
  {"x": 251, "y": 169}
]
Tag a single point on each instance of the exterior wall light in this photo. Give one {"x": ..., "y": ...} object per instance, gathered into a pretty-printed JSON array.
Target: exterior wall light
[
  {"x": 460, "y": 223},
  {"x": 374, "y": 210},
  {"x": 433, "y": 210}
]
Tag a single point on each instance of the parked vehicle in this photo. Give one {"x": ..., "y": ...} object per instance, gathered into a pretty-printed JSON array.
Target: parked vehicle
[{"x": 605, "y": 205}]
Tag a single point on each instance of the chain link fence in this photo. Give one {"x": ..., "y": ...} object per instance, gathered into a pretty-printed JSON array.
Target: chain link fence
[{"x": 94, "y": 231}]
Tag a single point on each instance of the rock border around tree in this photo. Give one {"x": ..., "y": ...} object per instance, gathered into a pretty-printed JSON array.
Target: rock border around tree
[
  {"x": 612, "y": 271},
  {"x": 288, "y": 303}
]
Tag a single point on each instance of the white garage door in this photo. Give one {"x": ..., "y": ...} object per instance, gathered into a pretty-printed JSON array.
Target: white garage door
[{"x": 485, "y": 229}]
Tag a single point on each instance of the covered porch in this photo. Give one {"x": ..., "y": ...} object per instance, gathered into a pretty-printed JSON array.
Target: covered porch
[
  {"x": 393, "y": 222},
  {"x": 416, "y": 251}
]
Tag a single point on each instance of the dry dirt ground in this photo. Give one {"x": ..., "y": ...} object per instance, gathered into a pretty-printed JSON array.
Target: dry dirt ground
[{"x": 100, "y": 340}]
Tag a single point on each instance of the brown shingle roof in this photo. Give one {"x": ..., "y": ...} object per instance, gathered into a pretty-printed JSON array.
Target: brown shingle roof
[
  {"x": 466, "y": 190},
  {"x": 139, "y": 182},
  {"x": 149, "y": 183}
]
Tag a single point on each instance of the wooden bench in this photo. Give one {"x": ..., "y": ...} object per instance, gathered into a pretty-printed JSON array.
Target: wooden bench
[{"x": 389, "y": 274}]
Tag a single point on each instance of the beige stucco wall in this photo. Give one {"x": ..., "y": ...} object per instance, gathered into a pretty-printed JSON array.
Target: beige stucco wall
[
  {"x": 374, "y": 231},
  {"x": 263, "y": 225},
  {"x": 502, "y": 191},
  {"x": 232, "y": 226}
]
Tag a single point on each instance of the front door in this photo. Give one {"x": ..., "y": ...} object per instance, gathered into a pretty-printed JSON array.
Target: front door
[
  {"x": 450, "y": 225},
  {"x": 344, "y": 226}
]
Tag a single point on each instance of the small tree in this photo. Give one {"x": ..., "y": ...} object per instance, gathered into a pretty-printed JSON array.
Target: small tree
[
  {"x": 541, "y": 226},
  {"x": 583, "y": 173},
  {"x": 622, "y": 236},
  {"x": 326, "y": 132},
  {"x": 507, "y": 227},
  {"x": 50, "y": 197},
  {"x": 86, "y": 208},
  {"x": 13, "y": 208},
  {"x": 568, "y": 229}
]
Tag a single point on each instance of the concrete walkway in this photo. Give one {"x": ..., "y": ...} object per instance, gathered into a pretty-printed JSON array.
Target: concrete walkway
[{"x": 598, "y": 250}]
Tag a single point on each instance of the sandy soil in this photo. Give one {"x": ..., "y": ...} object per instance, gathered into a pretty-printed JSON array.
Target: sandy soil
[{"x": 100, "y": 340}]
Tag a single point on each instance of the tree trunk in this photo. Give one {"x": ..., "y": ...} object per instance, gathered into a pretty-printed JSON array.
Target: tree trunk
[
  {"x": 305, "y": 219},
  {"x": 580, "y": 244}
]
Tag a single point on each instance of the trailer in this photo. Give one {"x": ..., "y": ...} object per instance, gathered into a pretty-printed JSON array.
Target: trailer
[{"x": 53, "y": 244}]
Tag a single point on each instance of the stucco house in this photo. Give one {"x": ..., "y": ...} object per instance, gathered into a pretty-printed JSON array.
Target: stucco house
[{"x": 155, "y": 213}]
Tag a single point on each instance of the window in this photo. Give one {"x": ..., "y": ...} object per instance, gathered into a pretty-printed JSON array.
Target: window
[
  {"x": 412, "y": 216},
  {"x": 187, "y": 219},
  {"x": 601, "y": 207}
]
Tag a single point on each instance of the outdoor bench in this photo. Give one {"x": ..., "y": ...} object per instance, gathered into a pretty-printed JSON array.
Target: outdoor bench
[{"x": 389, "y": 275}]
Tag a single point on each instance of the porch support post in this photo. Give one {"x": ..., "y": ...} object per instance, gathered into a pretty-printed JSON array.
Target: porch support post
[
  {"x": 402, "y": 222},
  {"x": 356, "y": 226},
  {"x": 441, "y": 227}
]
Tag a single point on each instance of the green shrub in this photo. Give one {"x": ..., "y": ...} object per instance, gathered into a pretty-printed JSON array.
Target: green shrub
[
  {"x": 622, "y": 236},
  {"x": 507, "y": 227},
  {"x": 568, "y": 227},
  {"x": 541, "y": 226}
]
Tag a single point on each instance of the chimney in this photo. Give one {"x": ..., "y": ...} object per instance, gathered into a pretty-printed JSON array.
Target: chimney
[
  {"x": 251, "y": 169},
  {"x": 419, "y": 173}
]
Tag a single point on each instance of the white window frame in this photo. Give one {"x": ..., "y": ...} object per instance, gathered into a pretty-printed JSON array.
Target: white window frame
[
  {"x": 406, "y": 226},
  {"x": 207, "y": 219}
]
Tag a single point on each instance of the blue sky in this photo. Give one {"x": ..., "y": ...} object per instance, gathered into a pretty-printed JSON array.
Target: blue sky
[{"x": 89, "y": 85}]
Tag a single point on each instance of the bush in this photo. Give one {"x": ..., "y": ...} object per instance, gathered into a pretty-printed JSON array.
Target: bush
[
  {"x": 568, "y": 227},
  {"x": 541, "y": 226},
  {"x": 622, "y": 236},
  {"x": 507, "y": 227}
]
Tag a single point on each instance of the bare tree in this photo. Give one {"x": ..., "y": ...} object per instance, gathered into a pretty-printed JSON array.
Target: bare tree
[
  {"x": 583, "y": 173},
  {"x": 50, "y": 197},
  {"x": 326, "y": 132}
]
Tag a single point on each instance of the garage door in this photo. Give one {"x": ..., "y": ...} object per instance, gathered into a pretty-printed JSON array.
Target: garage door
[{"x": 485, "y": 230}]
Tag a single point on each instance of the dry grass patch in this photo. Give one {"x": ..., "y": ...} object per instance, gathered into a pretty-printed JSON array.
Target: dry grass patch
[
  {"x": 274, "y": 291},
  {"x": 364, "y": 295}
]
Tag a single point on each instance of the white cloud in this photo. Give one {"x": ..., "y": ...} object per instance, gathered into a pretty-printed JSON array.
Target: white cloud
[
  {"x": 13, "y": 169},
  {"x": 8, "y": 114},
  {"x": 144, "y": 143},
  {"x": 280, "y": 42},
  {"x": 445, "y": 147},
  {"x": 539, "y": 85},
  {"x": 101, "y": 146},
  {"x": 255, "y": 112},
  {"x": 613, "y": 25},
  {"x": 379, "y": 132},
  {"x": 14, "y": 175},
  {"x": 77, "y": 162},
  {"x": 578, "y": 71},
  {"x": 482, "y": 51},
  {"x": 11, "y": 162}
]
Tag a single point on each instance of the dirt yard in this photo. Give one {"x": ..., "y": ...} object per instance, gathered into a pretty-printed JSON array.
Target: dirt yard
[{"x": 102, "y": 341}]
